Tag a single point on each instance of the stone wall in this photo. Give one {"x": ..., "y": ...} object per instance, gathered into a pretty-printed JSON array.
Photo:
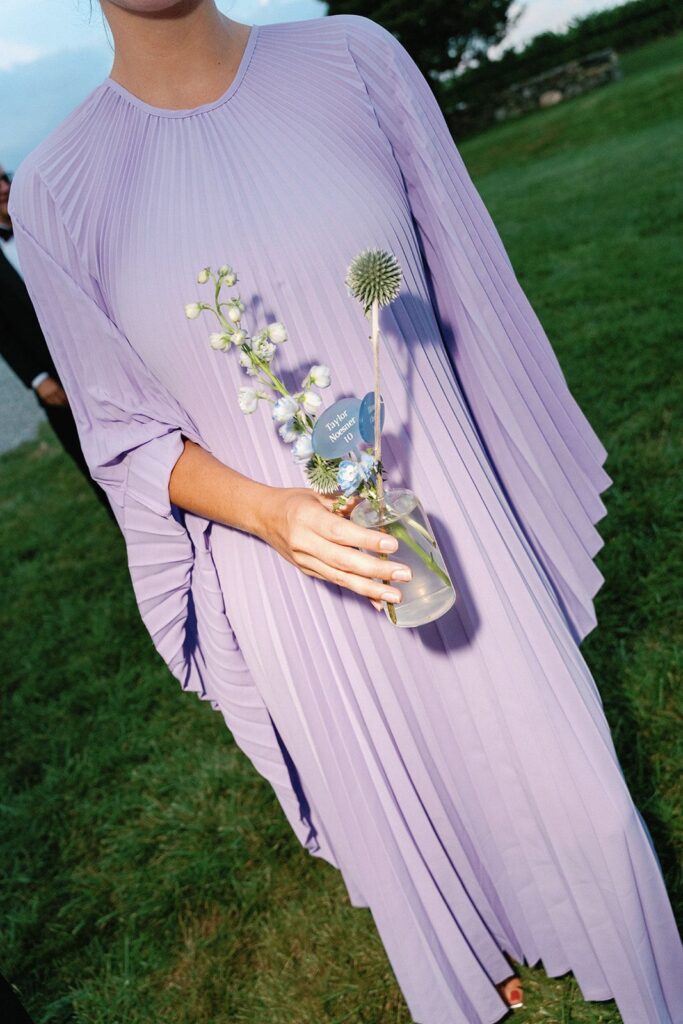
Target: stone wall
[{"x": 559, "y": 83}]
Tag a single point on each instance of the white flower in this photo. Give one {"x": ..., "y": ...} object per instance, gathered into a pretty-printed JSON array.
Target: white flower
[
  {"x": 203, "y": 276},
  {"x": 284, "y": 409},
  {"x": 230, "y": 279},
  {"x": 238, "y": 336},
  {"x": 219, "y": 341},
  {"x": 192, "y": 310},
  {"x": 302, "y": 449},
  {"x": 287, "y": 432},
  {"x": 244, "y": 360},
  {"x": 264, "y": 349},
  {"x": 311, "y": 401},
  {"x": 225, "y": 269},
  {"x": 248, "y": 398},
  {"x": 234, "y": 314},
  {"x": 319, "y": 374},
  {"x": 277, "y": 332}
]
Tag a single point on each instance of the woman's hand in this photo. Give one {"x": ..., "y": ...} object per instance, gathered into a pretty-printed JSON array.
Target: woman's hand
[{"x": 300, "y": 524}]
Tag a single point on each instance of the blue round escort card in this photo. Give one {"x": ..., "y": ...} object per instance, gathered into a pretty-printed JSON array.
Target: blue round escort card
[
  {"x": 336, "y": 431},
  {"x": 366, "y": 417}
]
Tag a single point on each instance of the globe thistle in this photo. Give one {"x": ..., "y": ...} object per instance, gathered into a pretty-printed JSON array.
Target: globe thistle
[
  {"x": 374, "y": 274},
  {"x": 322, "y": 474}
]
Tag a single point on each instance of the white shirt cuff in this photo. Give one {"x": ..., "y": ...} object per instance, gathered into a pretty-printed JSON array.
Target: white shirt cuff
[{"x": 39, "y": 377}]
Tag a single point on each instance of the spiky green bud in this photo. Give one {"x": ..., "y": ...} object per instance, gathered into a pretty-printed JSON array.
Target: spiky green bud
[
  {"x": 374, "y": 274},
  {"x": 322, "y": 474}
]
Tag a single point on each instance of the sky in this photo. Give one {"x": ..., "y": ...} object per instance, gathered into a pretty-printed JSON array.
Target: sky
[{"x": 54, "y": 52}]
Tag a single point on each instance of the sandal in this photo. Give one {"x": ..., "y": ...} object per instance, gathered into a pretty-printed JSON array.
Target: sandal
[{"x": 511, "y": 992}]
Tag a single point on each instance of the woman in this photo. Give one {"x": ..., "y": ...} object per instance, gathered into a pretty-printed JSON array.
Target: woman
[{"x": 461, "y": 776}]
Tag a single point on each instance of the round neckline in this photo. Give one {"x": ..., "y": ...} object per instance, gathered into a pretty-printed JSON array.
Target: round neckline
[{"x": 203, "y": 107}]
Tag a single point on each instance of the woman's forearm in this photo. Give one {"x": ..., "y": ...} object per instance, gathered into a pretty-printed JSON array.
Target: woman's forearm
[
  {"x": 201, "y": 483},
  {"x": 296, "y": 521}
]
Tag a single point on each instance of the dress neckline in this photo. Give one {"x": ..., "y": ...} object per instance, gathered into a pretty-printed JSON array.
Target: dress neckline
[{"x": 203, "y": 107}]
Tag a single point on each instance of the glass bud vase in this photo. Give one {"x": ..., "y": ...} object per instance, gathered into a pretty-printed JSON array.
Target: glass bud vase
[{"x": 430, "y": 592}]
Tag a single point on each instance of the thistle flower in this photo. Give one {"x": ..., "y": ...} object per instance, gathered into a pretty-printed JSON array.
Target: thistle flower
[
  {"x": 374, "y": 274},
  {"x": 284, "y": 409},
  {"x": 247, "y": 398},
  {"x": 322, "y": 475},
  {"x": 302, "y": 449},
  {"x": 192, "y": 310},
  {"x": 203, "y": 276},
  {"x": 311, "y": 401},
  {"x": 277, "y": 332}
]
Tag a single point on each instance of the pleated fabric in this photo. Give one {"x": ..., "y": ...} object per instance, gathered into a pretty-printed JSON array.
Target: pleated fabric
[{"x": 461, "y": 776}]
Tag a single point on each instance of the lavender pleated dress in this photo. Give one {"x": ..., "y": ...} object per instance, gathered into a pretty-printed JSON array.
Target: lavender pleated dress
[{"x": 461, "y": 776}]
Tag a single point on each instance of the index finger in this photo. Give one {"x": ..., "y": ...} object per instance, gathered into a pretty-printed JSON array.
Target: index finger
[{"x": 343, "y": 531}]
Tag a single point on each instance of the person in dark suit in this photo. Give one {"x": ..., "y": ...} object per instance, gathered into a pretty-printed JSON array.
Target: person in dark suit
[{"x": 25, "y": 350}]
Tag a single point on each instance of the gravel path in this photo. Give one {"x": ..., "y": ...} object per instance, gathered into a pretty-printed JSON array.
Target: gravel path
[{"x": 20, "y": 413}]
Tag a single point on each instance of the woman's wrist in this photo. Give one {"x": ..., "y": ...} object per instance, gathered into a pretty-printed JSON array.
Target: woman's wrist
[
  {"x": 200, "y": 483},
  {"x": 258, "y": 508}
]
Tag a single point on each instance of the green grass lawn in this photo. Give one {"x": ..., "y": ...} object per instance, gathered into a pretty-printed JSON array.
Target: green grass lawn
[{"x": 149, "y": 873}]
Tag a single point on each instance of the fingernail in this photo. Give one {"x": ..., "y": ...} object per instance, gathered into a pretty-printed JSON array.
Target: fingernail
[
  {"x": 388, "y": 544},
  {"x": 391, "y": 595},
  {"x": 402, "y": 574}
]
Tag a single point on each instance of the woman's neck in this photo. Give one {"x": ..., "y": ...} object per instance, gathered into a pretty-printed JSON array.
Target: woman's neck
[{"x": 179, "y": 57}]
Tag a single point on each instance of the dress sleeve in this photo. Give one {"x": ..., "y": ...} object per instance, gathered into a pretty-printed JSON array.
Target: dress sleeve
[
  {"x": 130, "y": 428},
  {"x": 542, "y": 448},
  {"x": 131, "y": 431}
]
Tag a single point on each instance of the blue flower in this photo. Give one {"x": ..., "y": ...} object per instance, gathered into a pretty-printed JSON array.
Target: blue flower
[
  {"x": 349, "y": 477},
  {"x": 284, "y": 408},
  {"x": 368, "y": 466},
  {"x": 287, "y": 432}
]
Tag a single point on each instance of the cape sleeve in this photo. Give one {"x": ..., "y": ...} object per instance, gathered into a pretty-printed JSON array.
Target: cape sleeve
[
  {"x": 130, "y": 428},
  {"x": 131, "y": 431},
  {"x": 542, "y": 448}
]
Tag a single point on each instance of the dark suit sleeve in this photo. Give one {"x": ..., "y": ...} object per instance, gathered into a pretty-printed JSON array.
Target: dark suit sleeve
[{"x": 22, "y": 344}]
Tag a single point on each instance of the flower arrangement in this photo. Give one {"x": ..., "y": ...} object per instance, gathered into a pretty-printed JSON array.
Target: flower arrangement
[
  {"x": 327, "y": 442},
  {"x": 294, "y": 413}
]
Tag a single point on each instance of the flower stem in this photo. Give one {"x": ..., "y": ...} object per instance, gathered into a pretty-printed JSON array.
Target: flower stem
[
  {"x": 377, "y": 452},
  {"x": 263, "y": 366},
  {"x": 400, "y": 532}
]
